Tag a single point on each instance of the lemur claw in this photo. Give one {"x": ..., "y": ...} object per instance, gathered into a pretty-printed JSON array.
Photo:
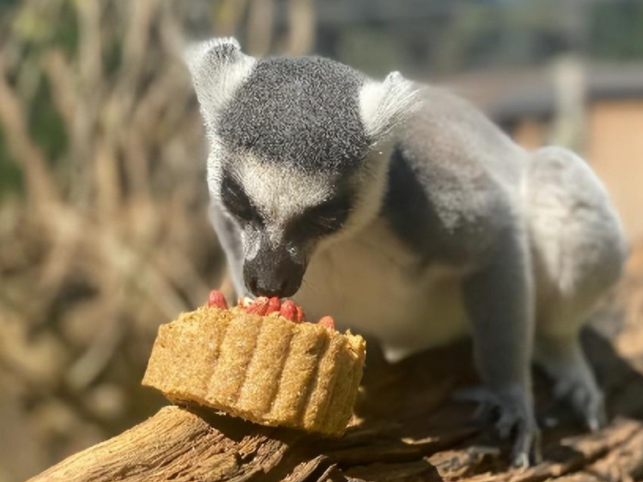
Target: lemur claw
[
  {"x": 586, "y": 400},
  {"x": 512, "y": 415}
]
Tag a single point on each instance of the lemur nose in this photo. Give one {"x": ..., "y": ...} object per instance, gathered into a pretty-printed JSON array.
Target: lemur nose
[
  {"x": 273, "y": 274},
  {"x": 282, "y": 290}
]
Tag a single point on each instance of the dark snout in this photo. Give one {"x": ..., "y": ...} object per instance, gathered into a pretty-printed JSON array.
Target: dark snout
[{"x": 273, "y": 272}]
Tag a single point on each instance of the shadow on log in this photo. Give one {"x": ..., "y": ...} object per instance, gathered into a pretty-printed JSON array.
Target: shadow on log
[{"x": 406, "y": 429}]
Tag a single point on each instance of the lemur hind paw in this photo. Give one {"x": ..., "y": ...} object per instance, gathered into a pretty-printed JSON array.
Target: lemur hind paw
[
  {"x": 513, "y": 415},
  {"x": 585, "y": 399}
]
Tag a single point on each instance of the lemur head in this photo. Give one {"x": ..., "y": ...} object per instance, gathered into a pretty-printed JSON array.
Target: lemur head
[{"x": 298, "y": 152}]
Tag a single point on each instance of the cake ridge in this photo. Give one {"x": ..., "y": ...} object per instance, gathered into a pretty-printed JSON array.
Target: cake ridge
[
  {"x": 310, "y": 387},
  {"x": 219, "y": 343},
  {"x": 224, "y": 382},
  {"x": 253, "y": 356},
  {"x": 284, "y": 359},
  {"x": 267, "y": 366},
  {"x": 320, "y": 411}
]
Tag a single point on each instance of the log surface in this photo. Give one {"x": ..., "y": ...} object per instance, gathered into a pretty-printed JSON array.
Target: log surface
[
  {"x": 407, "y": 428},
  {"x": 180, "y": 445}
]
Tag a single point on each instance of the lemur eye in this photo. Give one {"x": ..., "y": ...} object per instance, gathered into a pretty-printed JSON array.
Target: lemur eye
[
  {"x": 325, "y": 218},
  {"x": 236, "y": 200}
]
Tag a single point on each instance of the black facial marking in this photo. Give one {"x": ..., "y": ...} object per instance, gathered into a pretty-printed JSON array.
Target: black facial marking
[
  {"x": 301, "y": 111},
  {"x": 321, "y": 220},
  {"x": 236, "y": 201},
  {"x": 407, "y": 206}
]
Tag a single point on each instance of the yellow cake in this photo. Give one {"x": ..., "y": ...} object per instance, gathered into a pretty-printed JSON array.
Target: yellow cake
[{"x": 266, "y": 369}]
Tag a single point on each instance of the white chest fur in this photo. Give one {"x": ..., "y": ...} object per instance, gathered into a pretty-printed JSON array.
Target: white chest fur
[{"x": 372, "y": 284}]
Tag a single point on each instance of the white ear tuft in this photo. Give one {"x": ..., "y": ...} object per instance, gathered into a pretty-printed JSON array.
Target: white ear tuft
[
  {"x": 217, "y": 67},
  {"x": 196, "y": 53},
  {"x": 384, "y": 105}
]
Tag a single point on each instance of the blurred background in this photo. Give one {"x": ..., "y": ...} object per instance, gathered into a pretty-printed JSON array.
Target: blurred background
[{"x": 103, "y": 202}]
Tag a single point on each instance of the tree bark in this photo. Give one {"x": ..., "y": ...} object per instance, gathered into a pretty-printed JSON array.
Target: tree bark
[
  {"x": 407, "y": 428},
  {"x": 180, "y": 445}
]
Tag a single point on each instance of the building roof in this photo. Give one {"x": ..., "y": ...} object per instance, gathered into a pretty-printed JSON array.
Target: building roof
[{"x": 515, "y": 93}]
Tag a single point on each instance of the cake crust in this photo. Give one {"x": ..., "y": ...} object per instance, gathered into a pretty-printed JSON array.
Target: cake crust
[{"x": 265, "y": 369}]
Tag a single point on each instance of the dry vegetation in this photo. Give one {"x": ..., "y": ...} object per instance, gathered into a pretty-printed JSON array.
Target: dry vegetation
[
  {"x": 109, "y": 238},
  {"x": 107, "y": 234}
]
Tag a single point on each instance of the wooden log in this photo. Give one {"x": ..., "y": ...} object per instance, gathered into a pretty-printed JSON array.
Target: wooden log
[
  {"x": 180, "y": 445},
  {"x": 407, "y": 429}
]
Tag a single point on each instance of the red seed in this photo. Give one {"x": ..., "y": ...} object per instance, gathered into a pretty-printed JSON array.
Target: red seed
[
  {"x": 289, "y": 310},
  {"x": 299, "y": 314},
  {"x": 260, "y": 306},
  {"x": 274, "y": 305},
  {"x": 327, "y": 322},
  {"x": 217, "y": 299}
]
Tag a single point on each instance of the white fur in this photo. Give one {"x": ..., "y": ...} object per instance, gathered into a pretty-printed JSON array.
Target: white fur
[
  {"x": 216, "y": 78},
  {"x": 383, "y": 105},
  {"x": 281, "y": 192},
  {"x": 194, "y": 55},
  {"x": 369, "y": 283}
]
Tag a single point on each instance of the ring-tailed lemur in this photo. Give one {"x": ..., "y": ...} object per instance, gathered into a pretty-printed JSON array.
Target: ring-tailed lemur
[{"x": 405, "y": 213}]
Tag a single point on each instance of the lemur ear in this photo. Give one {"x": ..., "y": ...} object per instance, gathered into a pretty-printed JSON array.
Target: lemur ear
[
  {"x": 384, "y": 105},
  {"x": 217, "y": 67}
]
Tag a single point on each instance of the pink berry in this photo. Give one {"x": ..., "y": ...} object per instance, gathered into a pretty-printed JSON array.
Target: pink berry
[
  {"x": 274, "y": 305},
  {"x": 327, "y": 322},
  {"x": 299, "y": 314},
  {"x": 288, "y": 310},
  {"x": 217, "y": 299},
  {"x": 260, "y": 306}
]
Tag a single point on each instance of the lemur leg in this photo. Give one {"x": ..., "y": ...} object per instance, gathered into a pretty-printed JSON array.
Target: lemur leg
[
  {"x": 578, "y": 251},
  {"x": 499, "y": 302},
  {"x": 562, "y": 358}
]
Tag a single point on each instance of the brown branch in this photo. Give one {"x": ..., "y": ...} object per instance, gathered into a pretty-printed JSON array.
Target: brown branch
[
  {"x": 179, "y": 445},
  {"x": 63, "y": 85},
  {"x": 39, "y": 186}
]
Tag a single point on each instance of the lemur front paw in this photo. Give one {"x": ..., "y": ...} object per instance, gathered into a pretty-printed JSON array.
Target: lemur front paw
[{"x": 513, "y": 414}]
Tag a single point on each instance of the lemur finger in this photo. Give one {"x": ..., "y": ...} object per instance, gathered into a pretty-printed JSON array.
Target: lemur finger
[{"x": 526, "y": 449}]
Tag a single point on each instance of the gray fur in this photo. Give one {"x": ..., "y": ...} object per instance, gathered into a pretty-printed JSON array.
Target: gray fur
[
  {"x": 298, "y": 111},
  {"x": 449, "y": 228},
  {"x": 217, "y": 67}
]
